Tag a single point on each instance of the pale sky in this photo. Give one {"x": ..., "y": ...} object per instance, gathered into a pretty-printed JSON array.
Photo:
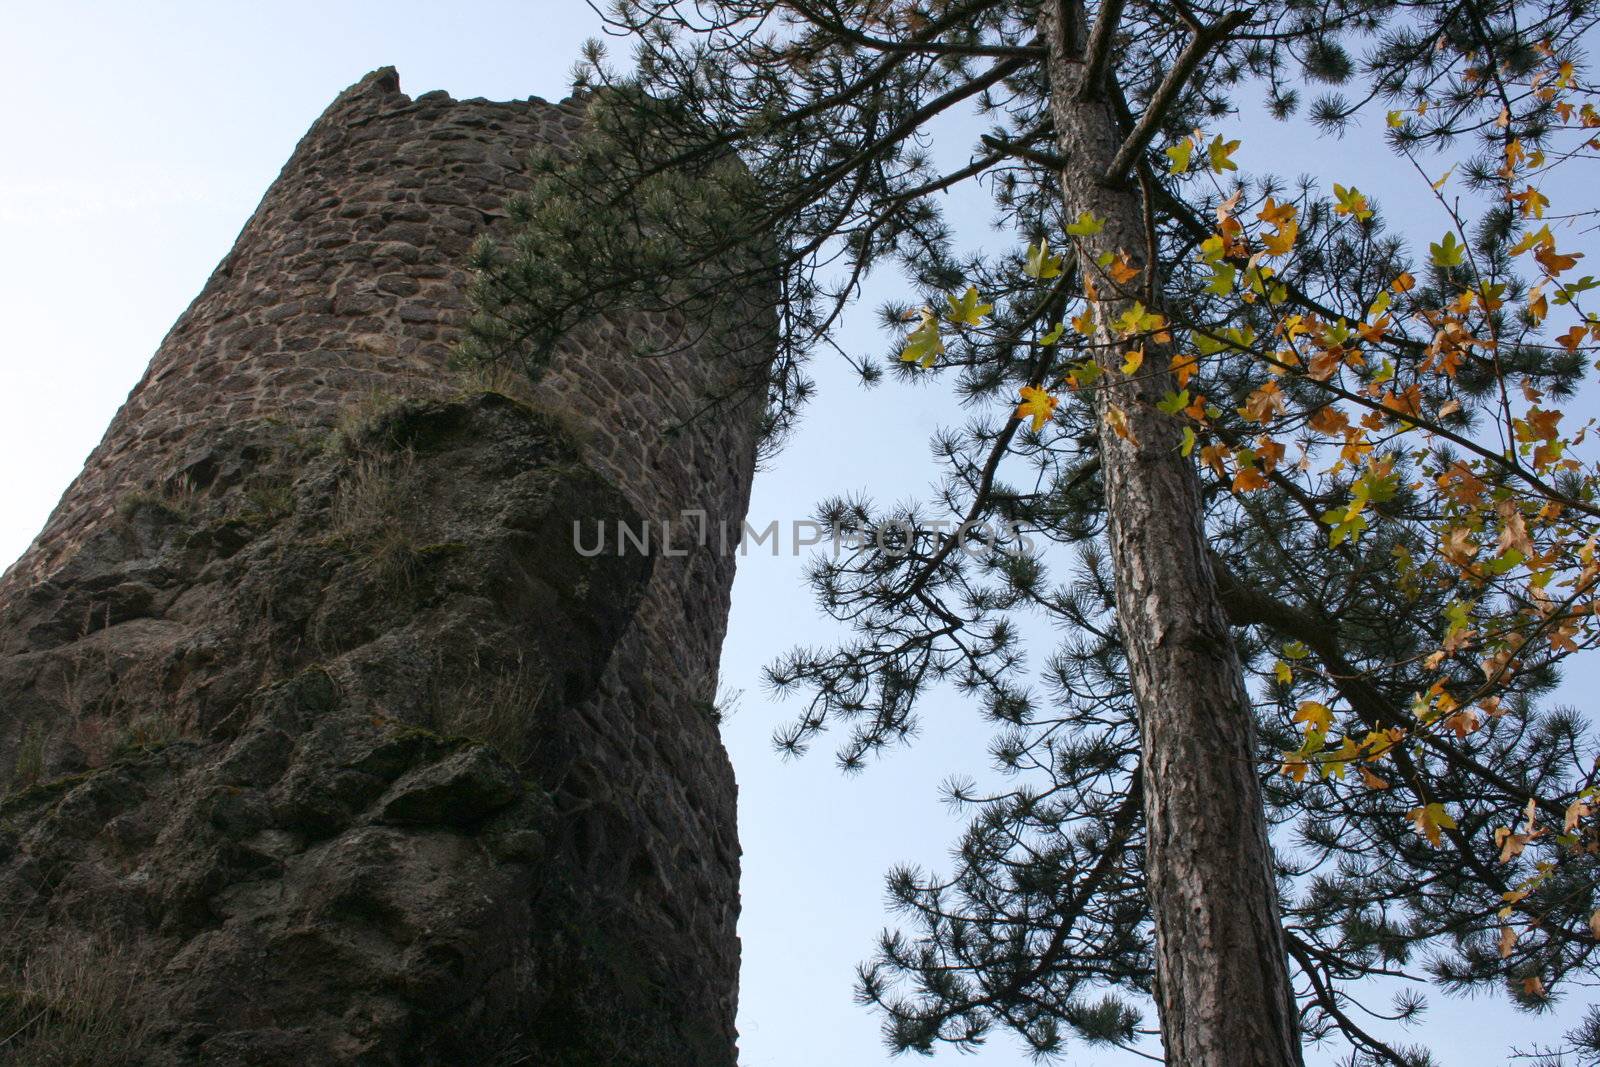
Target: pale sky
[{"x": 138, "y": 140}]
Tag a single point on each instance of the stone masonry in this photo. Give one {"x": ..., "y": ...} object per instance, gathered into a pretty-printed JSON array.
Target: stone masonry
[{"x": 316, "y": 732}]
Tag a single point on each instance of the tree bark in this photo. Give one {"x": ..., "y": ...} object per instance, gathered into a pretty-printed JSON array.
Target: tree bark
[{"x": 1222, "y": 980}]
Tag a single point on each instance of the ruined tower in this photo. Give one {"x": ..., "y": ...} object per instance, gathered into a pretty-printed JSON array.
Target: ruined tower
[{"x": 319, "y": 741}]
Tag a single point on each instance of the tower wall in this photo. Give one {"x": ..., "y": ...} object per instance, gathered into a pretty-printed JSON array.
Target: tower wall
[{"x": 256, "y": 672}]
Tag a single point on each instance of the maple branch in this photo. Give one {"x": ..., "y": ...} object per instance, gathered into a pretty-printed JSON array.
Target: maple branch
[
  {"x": 1167, "y": 93},
  {"x": 1249, "y": 606}
]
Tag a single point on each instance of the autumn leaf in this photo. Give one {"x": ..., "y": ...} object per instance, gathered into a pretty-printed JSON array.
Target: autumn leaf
[
  {"x": 1510, "y": 843},
  {"x": 1248, "y": 479},
  {"x": 1514, "y": 533},
  {"x": 1448, "y": 252},
  {"x": 1084, "y": 374},
  {"x": 923, "y": 344},
  {"x": 1038, "y": 405},
  {"x": 1530, "y": 201},
  {"x": 1212, "y": 456},
  {"x": 1040, "y": 263},
  {"x": 1319, "y": 717},
  {"x": 1122, "y": 270},
  {"x": 1569, "y": 292},
  {"x": 1088, "y": 225},
  {"x": 1371, "y": 780},
  {"x": 1538, "y": 305},
  {"x": 1218, "y": 153},
  {"x": 968, "y": 311},
  {"x": 1184, "y": 366},
  {"x": 1282, "y": 242},
  {"x": 1276, "y": 214},
  {"x": 1429, "y": 819},
  {"x": 1263, "y": 404},
  {"x": 1351, "y": 202},
  {"x": 1138, "y": 319},
  {"x": 1532, "y": 239},
  {"x": 1555, "y": 262},
  {"x": 1134, "y": 360},
  {"x": 1118, "y": 420},
  {"x": 1223, "y": 276},
  {"x": 1180, "y": 154}
]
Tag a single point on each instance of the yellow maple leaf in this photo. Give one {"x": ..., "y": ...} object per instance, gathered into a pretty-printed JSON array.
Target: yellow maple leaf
[
  {"x": 1280, "y": 242},
  {"x": 1037, "y": 404},
  {"x": 1317, "y": 717},
  {"x": 1138, "y": 320},
  {"x": 1118, "y": 419},
  {"x": 1429, "y": 819}
]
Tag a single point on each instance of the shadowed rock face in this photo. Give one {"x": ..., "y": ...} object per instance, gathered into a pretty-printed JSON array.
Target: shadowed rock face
[{"x": 319, "y": 742}]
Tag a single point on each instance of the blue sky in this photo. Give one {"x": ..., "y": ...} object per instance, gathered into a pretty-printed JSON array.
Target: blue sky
[{"x": 140, "y": 138}]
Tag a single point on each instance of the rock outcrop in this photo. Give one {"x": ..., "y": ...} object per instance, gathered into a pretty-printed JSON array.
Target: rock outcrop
[{"x": 320, "y": 742}]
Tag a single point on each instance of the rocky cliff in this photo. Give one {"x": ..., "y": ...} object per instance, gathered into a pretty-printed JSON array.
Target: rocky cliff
[{"x": 319, "y": 740}]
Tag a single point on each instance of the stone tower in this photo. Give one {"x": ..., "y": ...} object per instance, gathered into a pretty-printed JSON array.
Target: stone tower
[{"x": 319, "y": 741}]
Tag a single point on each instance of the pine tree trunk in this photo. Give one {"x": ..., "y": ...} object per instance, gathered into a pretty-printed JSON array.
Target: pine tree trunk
[{"x": 1223, "y": 987}]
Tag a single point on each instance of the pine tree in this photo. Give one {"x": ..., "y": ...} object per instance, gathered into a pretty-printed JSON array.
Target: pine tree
[{"x": 1132, "y": 859}]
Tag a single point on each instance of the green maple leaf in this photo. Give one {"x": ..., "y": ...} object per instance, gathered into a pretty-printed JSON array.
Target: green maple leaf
[
  {"x": 1180, "y": 154},
  {"x": 1040, "y": 263},
  {"x": 923, "y": 344},
  {"x": 1219, "y": 153},
  {"x": 1448, "y": 252},
  {"x": 1088, "y": 225}
]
